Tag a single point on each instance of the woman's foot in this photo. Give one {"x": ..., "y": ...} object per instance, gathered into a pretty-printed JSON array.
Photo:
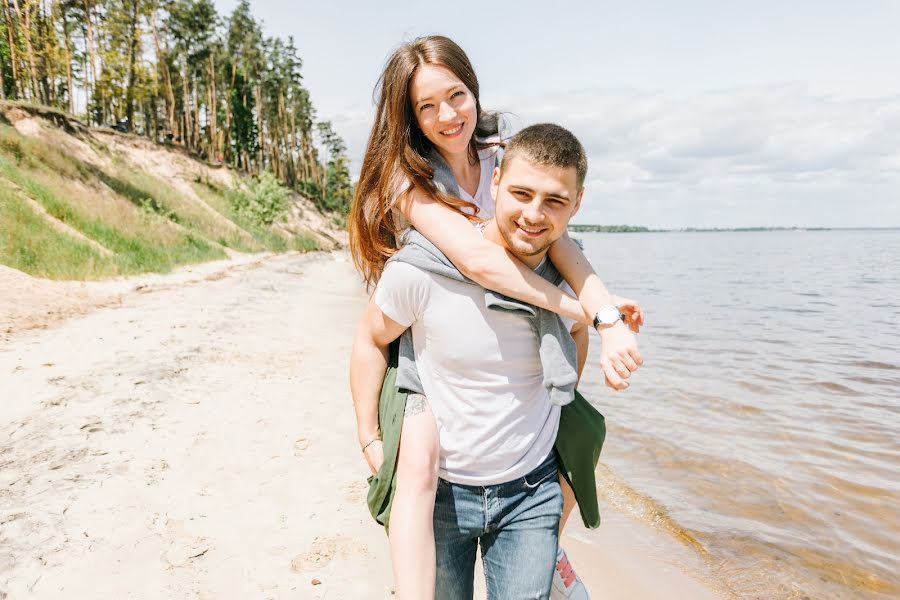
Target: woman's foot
[{"x": 566, "y": 583}]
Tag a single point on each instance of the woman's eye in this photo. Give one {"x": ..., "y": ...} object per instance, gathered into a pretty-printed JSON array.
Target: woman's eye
[
  {"x": 457, "y": 93},
  {"x": 425, "y": 107}
]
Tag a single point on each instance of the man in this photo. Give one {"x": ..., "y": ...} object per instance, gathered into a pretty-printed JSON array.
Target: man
[{"x": 482, "y": 373}]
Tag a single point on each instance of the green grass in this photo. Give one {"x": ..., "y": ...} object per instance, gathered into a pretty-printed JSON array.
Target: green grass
[
  {"x": 147, "y": 224},
  {"x": 28, "y": 243},
  {"x": 265, "y": 238},
  {"x": 305, "y": 242},
  {"x": 153, "y": 193},
  {"x": 132, "y": 254},
  {"x": 33, "y": 153}
]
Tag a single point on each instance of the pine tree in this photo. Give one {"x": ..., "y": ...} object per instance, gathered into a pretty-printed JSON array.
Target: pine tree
[{"x": 218, "y": 87}]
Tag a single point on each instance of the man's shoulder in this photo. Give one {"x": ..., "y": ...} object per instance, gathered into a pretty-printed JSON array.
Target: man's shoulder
[{"x": 398, "y": 272}]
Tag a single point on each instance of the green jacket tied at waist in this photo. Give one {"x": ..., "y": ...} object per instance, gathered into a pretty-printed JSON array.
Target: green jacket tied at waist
[{"x": 582, "y": 430}]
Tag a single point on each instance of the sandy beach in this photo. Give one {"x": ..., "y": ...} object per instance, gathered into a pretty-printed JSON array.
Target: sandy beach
[{"x": 193, "y": 437}]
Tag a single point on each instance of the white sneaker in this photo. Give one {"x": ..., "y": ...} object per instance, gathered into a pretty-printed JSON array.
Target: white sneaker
[{"x": 566, "y": 583}]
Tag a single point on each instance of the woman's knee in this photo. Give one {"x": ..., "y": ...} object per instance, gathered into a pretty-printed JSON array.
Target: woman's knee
[{"x": 418, "y": 468}]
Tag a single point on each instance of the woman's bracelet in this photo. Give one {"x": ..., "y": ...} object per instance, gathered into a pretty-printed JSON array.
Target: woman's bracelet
[{"x": 370, "y": 442}]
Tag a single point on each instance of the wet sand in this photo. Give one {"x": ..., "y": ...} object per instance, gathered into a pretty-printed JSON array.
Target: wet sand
[{"x": 198, "y": 441}]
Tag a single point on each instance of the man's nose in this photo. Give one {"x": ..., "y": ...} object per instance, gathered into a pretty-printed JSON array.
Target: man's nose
[{"x": 533, "y": 212}]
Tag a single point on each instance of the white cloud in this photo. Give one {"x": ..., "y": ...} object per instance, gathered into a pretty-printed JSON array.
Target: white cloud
[{"x": 767, "y": 155}]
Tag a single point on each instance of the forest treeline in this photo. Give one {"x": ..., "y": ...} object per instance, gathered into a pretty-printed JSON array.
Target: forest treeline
[{"x": 177, "y": 71}]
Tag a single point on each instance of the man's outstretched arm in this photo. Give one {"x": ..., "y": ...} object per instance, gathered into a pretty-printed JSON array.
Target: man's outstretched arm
[{"x": 368, "y": 364}]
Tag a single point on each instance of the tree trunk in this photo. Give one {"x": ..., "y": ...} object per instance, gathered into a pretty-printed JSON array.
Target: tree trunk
[
  {"x": 29, "y": 49},
  {"x": 295, "y": 158},
  {"x": 188, "y": 127},
  {"x": 213, "y": 112},
  {"x": 11, "y": 36},
  {"x": 163, "y": 65},
  {"x": 70, "y": 87},
  {"x": 196, "y": 134},
  {"x": 226, "y": 144},
  {"x": 47, "y": 79},
  {"x": 259, "y": 118},
  {"x": 286, "y": 147},
  {"x": 93, "y": 60},
  {"x": 132, "y": 58}
]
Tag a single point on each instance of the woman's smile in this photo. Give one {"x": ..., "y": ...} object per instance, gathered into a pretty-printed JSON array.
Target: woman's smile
[{"x": 453, "y": 131}]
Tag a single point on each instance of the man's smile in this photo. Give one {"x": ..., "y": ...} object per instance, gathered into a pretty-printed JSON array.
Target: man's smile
[{"x": 531, "y": 230}]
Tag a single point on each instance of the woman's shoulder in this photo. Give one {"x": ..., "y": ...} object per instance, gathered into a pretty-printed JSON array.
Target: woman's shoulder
[{"x": 491, "y": 149}]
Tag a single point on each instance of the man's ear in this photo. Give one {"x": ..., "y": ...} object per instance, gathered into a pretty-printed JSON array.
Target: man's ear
[
  {"x": 577, "y": 203},
  {"x": 495, "y": 183}
]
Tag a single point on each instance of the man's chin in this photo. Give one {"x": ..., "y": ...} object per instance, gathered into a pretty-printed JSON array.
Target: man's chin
[{"x": 530, "y": 248}]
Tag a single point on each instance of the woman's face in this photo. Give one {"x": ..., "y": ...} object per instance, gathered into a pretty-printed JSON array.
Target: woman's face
[{"x": 444, "y": 108}]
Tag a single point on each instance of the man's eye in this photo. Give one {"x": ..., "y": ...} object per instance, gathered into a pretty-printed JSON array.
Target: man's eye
[{"x": 520, "y": 194}]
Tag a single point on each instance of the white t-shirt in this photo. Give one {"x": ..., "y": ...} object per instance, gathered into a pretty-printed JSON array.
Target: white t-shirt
[
  {"x": 482, "y": 197},
  {"x": 481, "y": 372}
]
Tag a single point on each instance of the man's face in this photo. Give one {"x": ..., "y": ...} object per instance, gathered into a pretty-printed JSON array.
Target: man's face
[{"x": 533, "y": 204}]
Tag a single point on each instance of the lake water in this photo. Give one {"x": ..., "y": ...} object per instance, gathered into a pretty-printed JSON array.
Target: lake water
[{"x": 765, "y": 424}]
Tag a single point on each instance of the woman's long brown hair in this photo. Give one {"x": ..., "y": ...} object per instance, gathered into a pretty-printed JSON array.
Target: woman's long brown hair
[{"x": 397, "y": 149}]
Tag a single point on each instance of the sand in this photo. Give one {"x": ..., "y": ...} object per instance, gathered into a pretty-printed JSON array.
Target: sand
[{"x": 192, "y": 436}]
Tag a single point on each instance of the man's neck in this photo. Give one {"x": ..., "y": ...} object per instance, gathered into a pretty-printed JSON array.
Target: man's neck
[{"x": 492, "y": 234}]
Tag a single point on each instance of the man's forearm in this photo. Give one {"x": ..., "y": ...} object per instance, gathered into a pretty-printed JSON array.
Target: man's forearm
[
  {"x": 368, "y": 364},
  {"x": 575, "y": 268}
]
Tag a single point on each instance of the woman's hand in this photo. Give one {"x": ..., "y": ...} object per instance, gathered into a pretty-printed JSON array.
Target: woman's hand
[
  {"x": 374, "y": 454},
  {"x": 634, "y": 315}
]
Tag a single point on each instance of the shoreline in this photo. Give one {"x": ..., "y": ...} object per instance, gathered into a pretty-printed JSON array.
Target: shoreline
[{"x": 199, "y": 441}]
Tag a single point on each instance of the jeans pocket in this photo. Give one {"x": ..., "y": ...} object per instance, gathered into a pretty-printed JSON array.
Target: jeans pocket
[{"x": 533, "y": 480}]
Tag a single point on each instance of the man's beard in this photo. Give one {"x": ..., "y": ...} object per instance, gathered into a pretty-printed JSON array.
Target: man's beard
[{"x": 516, "y": 245}]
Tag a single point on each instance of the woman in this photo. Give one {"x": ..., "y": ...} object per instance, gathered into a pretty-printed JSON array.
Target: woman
[{"x": 428, "y": 113}]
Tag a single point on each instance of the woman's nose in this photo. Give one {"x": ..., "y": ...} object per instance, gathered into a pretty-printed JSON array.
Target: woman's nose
[{"x": 446, "y": 113}]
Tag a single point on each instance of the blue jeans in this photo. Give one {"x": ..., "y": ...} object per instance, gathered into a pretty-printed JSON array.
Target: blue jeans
[{"x": 517, "y": 525}]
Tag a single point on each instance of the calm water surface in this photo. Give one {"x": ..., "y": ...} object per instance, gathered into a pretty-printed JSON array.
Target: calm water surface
[{"x": 764, "y": 425}]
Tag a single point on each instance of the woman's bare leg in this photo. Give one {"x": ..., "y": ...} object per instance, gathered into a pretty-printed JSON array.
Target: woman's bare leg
[
  {"x": 411, "y": 532},
  {"x": 568, "y": 503},
  {"x": 566, "y": 583}
]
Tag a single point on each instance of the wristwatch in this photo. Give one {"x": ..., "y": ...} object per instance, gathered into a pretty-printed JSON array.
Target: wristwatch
[{"x": 607, "y": 316}]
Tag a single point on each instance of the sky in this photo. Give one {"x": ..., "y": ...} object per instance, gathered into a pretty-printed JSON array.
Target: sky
[{"x": 697, "y": 113}]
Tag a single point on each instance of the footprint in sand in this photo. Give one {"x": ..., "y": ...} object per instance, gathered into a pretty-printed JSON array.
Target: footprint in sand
[
  {"x": 69, "y": 458},
  {"x": 300, "y": 446},
  {"x": 92, "y": 426},
  {"x": 183, "y": 547},
  {"x": 356, "y": 492},
  {"x": 58, "y": 401},
  {"x": 324, "y": 549}
]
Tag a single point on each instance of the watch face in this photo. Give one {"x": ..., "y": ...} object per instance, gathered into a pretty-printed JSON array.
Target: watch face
[{"x": 608, "y": 315}]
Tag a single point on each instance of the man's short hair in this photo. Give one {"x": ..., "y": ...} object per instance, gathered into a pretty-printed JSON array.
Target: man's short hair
[{"x": 550, "y": 145}]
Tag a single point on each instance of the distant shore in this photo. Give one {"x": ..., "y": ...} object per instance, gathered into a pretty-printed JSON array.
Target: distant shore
[{"x": 641, "y": 229}]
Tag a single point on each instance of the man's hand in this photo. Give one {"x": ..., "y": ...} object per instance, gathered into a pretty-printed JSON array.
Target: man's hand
[
  {"x": 619, "y": 356},
  {"x": 374, "y": 454},
  {"x": 634, "y": 315}
]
